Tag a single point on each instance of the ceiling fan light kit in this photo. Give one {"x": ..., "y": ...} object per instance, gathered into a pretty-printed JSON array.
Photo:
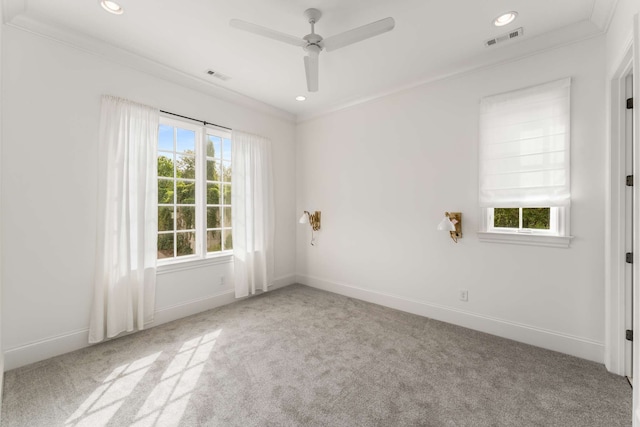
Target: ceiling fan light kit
[{"x": 313, "y": 43}]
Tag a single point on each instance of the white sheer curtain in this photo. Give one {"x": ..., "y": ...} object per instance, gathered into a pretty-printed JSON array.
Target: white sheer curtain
[
  {"x": 125, "y": 276},
  {"x": 524, "y": 147},
  {"x": 252, "y": 213}
]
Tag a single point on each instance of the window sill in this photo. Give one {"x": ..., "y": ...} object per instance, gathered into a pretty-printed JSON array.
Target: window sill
[
  {"x": 525, "y": 239},
  {"x": 189, "y": 264}
]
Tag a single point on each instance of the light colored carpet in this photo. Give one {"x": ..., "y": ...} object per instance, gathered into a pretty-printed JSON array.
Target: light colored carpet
[{"x": 303, "y": 357}]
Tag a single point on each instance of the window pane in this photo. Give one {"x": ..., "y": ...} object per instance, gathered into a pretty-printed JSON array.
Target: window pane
[
  {"x": 213, "y": 217},
  {"x": 165, "y": 218},
  {"x": 165, "y": 165},
  {"x": 165, "y": 246},
  {"x": 165, "y": 138},
  {"x": 506, "y": 217},
  {"x": 536, "y": 218},
  {"x": 213, "y": 146},
  {"x": 213, "y": 194},
  {"x": 186, "y": 166},
  {"x": 186, "y": 140},
  {"x": 165, "y": 191},
  {"x": 226, "y": 171},
  {"x": 214, "y": 241},
  {"x": 209, "y": 150},
  {"x": 186, "y": 218},
  {"x": 186, "y": 192},
  {"x": 226, "y": 199},
  {"x": 228, "y": 241},
  {"x": 213, "y": 173},
  {"x": 227, "y": 217},
  {"x": 226, "y": 149},
  {"x": 185, "y": 244}
]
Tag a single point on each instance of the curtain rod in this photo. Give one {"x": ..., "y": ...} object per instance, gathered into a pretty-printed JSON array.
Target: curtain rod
[{"x": 195, "y": 120}]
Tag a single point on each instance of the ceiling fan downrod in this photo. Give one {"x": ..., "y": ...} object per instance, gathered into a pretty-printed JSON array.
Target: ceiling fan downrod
[{"x": 313, "y": 16}]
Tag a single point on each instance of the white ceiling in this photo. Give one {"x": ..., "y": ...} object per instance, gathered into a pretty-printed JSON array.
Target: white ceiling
[{"x": 431, "y": 39}]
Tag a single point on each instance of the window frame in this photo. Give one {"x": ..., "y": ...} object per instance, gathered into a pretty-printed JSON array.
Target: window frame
[
  {"x": 555, "y": 226},
  {"x": 559, "y": 237},
  {"x": 201, "y": 257}
]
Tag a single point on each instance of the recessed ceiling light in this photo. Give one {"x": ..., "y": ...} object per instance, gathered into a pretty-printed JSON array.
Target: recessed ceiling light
[
  {"x": 504, "y": 19},
  {"x": 111, "y": 7},
  {"x": 301, "y": 98}
]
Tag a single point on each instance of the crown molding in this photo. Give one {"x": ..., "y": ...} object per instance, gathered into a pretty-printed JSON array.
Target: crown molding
[
  {"x": 577, "y": 33},
  {"x": 138, "y": 62},
  {"x": 602, "y": 13},
  {"x": 13, "y": 8},
  {"x": 14, "y": 14}
]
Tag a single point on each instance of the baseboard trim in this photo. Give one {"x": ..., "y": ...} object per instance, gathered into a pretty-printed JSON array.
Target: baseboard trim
[
  {"x": 1, "y": 381},
  {"x": 75, "y": 340},
  {"x": 552, "y": 340},
  {"x": 188, "y": 308},
  {"x": 282, "y": 281},
  {"x": 45, "y": 348}
]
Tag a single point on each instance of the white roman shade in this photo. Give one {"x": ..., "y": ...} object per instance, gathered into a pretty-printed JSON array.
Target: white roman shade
[{"x": 524, "y": 147}]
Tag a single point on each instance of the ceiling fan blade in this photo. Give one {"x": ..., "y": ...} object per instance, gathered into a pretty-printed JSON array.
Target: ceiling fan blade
[
  {"x": 311, "y": 69},
  {"x": 267, "y": 32},
  {"x": 358, "y": 34}
]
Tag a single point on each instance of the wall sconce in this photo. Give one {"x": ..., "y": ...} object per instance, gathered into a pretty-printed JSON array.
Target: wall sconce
[
  {"x": 313, "y": 219},
  {"x": 452, "y": 222}
]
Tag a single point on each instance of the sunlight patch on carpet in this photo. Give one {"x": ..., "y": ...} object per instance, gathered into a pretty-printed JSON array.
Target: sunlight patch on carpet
[
  {"x": 104, "y": 402},
  {"x": 167, "y": 402}
]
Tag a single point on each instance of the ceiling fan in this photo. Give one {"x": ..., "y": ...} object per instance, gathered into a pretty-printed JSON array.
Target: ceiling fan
[{"x": 313, "y": 43}]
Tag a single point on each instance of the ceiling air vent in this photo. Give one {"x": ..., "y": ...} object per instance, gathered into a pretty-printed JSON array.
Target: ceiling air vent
[
  {"x": 218, "y": 75},
  {"x": 504, "y": 37}
]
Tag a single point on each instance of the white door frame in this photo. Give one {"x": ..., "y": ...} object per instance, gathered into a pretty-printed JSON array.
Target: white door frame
[
  {"x": 616, "y": 228},
  {"x": 636, "y": 220}
]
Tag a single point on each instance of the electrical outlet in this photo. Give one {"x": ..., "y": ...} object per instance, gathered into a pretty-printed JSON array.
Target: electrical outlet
[
  {"x": 464, "y": 295},
  {"x": 221, "y": 281}
]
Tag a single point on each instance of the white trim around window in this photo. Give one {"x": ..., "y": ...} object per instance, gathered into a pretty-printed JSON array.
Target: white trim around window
[
  {"x": 201, "y": 257},
  {"x": 557, "y": 236},
  {"x": 192, "y": 263}
]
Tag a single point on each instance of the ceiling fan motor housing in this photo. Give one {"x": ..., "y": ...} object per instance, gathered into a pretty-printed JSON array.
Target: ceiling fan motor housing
[
  {"x": 312, "y": 15},
  {"x": 313, "y": 40}
]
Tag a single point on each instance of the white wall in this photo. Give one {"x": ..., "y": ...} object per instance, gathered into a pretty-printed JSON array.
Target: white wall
[
  {"x": 51, "y": 103},
  {"x": 383, "y": 174}
]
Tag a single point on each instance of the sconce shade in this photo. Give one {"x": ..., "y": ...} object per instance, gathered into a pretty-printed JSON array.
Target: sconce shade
[
  {"x": 313, "y": 219},
  {"x": 446, "y": 225},
  {"x": 452, "y": 222}
]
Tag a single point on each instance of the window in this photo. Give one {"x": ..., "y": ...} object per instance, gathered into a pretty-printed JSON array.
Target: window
[
  {"x": 525, "y": 165},
  {"x": 194, "y": 191},
  {"x": 524, "y": 220}
]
